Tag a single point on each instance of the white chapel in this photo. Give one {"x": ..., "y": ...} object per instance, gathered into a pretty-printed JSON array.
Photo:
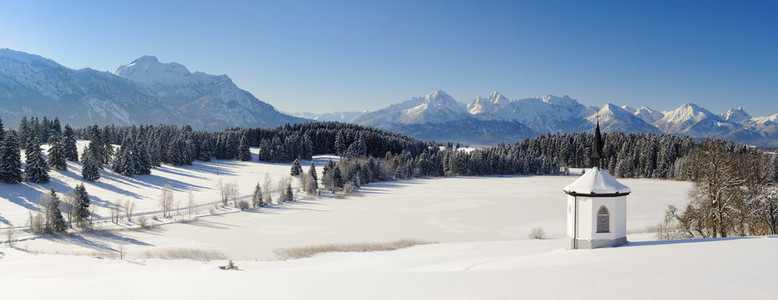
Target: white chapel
[{"x": 596, "y": 206}]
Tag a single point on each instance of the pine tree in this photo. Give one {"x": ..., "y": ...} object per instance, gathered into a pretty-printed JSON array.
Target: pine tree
[
  {"x": 69, "y": 144},
  {"x": 141, "y": 158},
  {"x": 36, "y": 170},
  {"x": 90, "y": 170},
  {"x": 107, "y": 145},
  {"x": 288, "y": 194},
  {"x": 57, "y": 153},
  {"x": 337, "y": 178},
  {"x": 243, "y": 150},
  {"x": 256, "y": 199},
  {"x": 2, "y": 131},
  {"x": 10, "y": 159},
  {"x": 54, "y": 220},
  {"x": 297, "y": 170},
  {"x": 313, "y": 184},
  {"x": 96, "y": 146},
  {"x": 24, "y": 132},
  {"x": 81, "y": 204}
]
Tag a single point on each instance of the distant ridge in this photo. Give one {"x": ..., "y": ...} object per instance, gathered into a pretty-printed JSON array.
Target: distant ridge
[
  {"x": 437, "y": 116},
  {"x": 145, "y": 91}
]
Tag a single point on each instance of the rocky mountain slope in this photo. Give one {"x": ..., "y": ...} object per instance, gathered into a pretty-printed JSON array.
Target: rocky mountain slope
[{"x": 142, "y": 92}]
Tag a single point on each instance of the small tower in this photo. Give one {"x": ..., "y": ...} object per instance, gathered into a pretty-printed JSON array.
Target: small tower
[{"x": 596, "y": 206}]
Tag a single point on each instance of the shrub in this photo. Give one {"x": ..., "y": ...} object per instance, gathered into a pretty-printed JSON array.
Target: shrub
[
  {"x": 243, "y": 205},
  {"x": 143, "y": 222},
  {"x": 537, "y": 233}
]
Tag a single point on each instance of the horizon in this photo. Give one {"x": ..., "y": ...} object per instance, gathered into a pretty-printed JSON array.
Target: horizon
[{"x": 348, "y": 56}]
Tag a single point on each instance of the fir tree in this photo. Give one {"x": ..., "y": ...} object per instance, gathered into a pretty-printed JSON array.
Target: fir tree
[
  {"x": 312, "y": 172},
  {"x": 313, "y": 185},
  {"x": 107, "y": 145},
  {"x": 81, "y": 204},
  {"x": 256, "y": 199},
  {"x": 142, "y": 159},
  {"x": 69, "y": 144},
  {"x": 243, "y": 150},
  {"x": 10, "y": 159},
  {"x": 337, "y": 178},
  {"x": 2, "y": 131},
  {"x": 24, "y": 132},
  {"x": 288, "y": 194},
  {"x": 54, "y": 220},
  {"x": 56, "y": 152},
  {"x": 297, "y": 170},
  {"x": 36, "y": 170},
  {"x": 90, "y": 170}
]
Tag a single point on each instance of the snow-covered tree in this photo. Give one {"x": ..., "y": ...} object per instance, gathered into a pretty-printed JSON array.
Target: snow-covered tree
[
  {"x": 243, "y": 149},
  {"x": 80, "y": 206},
  {"x": 57, "y": 152},
  {"x": 90, "y": 170},
  {"x": 36, "y": 169},
  {"x": 10, "y": 159},
  {"x": 256, "y": 198},
  {"x": 54, "y": 222},
  {"x": 69, "y": 144},
  {"x": 288, "y": 194},
  {"x": 296, "y": 168}
]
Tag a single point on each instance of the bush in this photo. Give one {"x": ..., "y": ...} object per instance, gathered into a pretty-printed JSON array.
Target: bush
[
  {"x": 243, "y": 205},
  {"x": 143, "y": 222},
  {"x": 537, "y": 233}
]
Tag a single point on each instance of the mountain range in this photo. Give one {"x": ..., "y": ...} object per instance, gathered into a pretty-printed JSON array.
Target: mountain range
[
  {"x": 147, "y": 91},
  {"x": 496, "y": 118},
  {"x": 144, "y": 91}
]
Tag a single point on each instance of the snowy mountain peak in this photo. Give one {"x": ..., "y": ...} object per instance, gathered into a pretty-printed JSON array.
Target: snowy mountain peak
[
  {"x": 488, "y": 104},
  {"x": 439, "y": 96},
  {"x": 615, "y": 118},
  {"x": 561, "y": 101},
  {"x": 146, "y": 59},
  {"x": 736, "y": 115},
  {"x": 648, "y": 114},
  {"x": 147, "y": 69}
]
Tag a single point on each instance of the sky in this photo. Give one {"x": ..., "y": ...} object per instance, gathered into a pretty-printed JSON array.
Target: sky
[{"x": 319, "y": 56}]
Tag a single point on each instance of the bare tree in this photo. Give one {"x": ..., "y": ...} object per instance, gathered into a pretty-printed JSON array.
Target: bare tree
[
  {"x": 166, "y": 200},
  {"x": 221, "y": 186},
  {"x": 129, "y": 208},
  {"x": 11, "y": 235},
  {"x": 232, "y": 192},
  {"x": 267, "y": 189},
  {"x": 190, "y": 203}
]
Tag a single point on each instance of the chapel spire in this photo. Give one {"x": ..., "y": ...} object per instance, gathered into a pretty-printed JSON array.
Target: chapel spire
[{"x": 597, "y": 147}]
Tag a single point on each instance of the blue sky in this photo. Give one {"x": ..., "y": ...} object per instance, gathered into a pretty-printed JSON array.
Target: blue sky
[{"x": 344, "y": 55}]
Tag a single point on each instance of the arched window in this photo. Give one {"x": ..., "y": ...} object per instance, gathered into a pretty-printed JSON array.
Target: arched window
[{"x": 603, "y": 219}]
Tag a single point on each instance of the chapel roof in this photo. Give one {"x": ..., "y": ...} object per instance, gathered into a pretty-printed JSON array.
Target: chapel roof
[{"x": 597, "y": 183}]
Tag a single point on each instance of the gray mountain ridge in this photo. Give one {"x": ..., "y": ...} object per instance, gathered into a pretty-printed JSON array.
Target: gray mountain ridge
[
  {"x": 426, "y": 118},
  {"x": 145, "y": 91}
]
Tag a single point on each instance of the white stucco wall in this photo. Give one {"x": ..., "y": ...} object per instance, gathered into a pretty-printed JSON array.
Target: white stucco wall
[{"x": 587, "y": 217}]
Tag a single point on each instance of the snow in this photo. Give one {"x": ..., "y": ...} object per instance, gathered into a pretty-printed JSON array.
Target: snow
[
  {"x": 480, "y": 225},
  {"x": 596, "y": 181}
]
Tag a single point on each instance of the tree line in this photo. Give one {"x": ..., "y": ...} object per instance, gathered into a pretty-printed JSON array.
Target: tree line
[
  {"x": 734, "y": 194},
  {"x": 736, "y": 203}
]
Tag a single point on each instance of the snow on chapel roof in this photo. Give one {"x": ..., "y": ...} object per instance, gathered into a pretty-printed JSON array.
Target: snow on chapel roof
[{"x": 597, "y": 183}]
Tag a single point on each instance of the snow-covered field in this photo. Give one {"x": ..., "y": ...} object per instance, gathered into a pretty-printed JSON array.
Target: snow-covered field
[{"x": 478, "y": 226}]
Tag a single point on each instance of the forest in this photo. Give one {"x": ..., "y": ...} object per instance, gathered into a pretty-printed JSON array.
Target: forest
[{"x": 734, "y": 184}]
